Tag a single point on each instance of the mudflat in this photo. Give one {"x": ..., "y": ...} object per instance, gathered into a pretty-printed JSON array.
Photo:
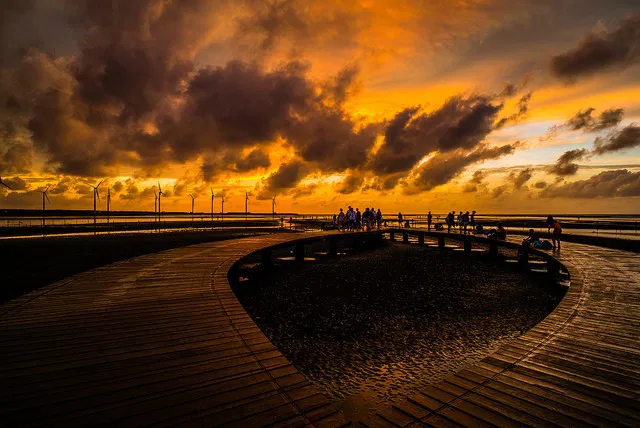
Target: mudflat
[{"x": 372, "y": 327}]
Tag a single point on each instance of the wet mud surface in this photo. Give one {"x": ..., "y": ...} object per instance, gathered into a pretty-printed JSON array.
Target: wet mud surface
[{"x": 372, "y": 327}]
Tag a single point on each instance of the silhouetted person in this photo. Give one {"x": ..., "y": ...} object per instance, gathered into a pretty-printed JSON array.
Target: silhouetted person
[
  {"x": 400, "y": 219},
  {"x": 379, "y": 218},
  {"x": 429, "y": 219},
  {"x": 499, "y": 233},
  {"x": 557, "y": 230},
  {"x": 531, "y": 239},
  {"x": 449, "y": 220}
]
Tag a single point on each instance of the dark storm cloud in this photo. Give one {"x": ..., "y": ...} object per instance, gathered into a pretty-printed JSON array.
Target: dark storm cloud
[
  {"x": 241, "y": 104},
  {"x": 521, "y": 178},
  {"x": 443, "y": 167},
  {"x": 626, "y": 138},
  {"x": 284, "y": 179},
  {"x": 499, "y": 191},
  {"x": 475, "y": 181},
  {"x": 351, "y": 183},
  {"x": 234, "y": 161},
  {"x": 584, "y": 120},
  {"x": 271, "y": 23},
  {"x": 16, "y": 159},
  {"x": 331, "y": 138},
  {"x": 461, "y": 123},
  {"x": 16, "y": 183},
  {"x": 601, "y": 50},
  {"x": 613, "y": 183},
  {"x": 540, "y": 185},
  {"x": 565, "y": 165}
]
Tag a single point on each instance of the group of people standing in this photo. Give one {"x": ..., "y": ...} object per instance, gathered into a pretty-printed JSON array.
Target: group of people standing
[
  {"x": 356, "y": 220},
  {"x": 461, "y": 221}
]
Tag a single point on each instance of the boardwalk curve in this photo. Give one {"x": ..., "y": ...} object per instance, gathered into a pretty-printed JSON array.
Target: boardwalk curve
[{"x": 161, "y": 340}]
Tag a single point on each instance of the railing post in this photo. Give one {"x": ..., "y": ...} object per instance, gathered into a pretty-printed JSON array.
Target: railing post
[
  {"x": 299, "y": 251},
  {"x": 421, "y": 238},
  {"x": 405, "y": 237},
  {"x": 441, "y": 242},
  {"x": 493, "y": 249},
  {"x": 467, "y": 244}
]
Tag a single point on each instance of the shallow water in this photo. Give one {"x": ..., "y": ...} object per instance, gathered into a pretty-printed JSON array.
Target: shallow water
[{"x": 374, "y": 327}]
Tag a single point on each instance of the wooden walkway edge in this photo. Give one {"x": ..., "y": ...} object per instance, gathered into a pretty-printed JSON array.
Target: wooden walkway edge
[{"x": 161, "y": 340}]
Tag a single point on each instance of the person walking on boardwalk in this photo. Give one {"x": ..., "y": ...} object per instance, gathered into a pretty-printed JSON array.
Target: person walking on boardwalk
[
  {"x": 341, "y": 221},
  {"x": 358, "y": 219},
  {"x": 400, "y": 219},
  {"x": 465, "y": 221},
  {"x": 557, "y": 230},
  {"x": 429, "y": 219},
  {"x": 379, "y": 218},
  {"x": 449, "y": 220},
  {"x": 365, "y": 219}
]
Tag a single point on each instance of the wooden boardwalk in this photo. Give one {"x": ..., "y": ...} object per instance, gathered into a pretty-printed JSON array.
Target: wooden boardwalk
[
  {"x": 579, "y": 367},
  {"x": 160, "y": 340}
]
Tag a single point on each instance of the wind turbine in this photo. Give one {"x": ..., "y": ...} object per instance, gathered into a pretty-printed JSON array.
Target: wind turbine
[
  {"x": 108, "y": 202},
  {"x": 222, "y": 207},
  {"x": 155, "y": 205},
  {"x": 96, "y": 194},
  {"x": 246, "y": 205},
  {"x": 160, "y": 194},
  {"x": 193, "y": 202},
  {"x": 273, "y": 206},
  {"x": 45, "y": 198},
  {"x": 211, "y": 207}
]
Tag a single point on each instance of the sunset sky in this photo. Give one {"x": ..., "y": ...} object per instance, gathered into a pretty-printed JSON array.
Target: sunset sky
[{"x": 502, "y": 106}]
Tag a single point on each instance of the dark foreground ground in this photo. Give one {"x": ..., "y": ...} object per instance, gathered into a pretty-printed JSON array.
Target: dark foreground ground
[
  {"x": 27, "y": 264},
  {"x": 372, "y": 327}
]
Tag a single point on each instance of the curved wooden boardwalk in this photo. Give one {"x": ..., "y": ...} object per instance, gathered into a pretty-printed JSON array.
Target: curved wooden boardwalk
[
  {"x": 578, "y": 367},
  {"x": 160, "y": 340},
  {"x": 150, "y": 341}
]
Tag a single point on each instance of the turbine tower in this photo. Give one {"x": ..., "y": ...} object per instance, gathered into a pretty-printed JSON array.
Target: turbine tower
[
  {"x": 155, "y": 205},
  {"x": 246, "y": 205},
  {"x": 212, "y": 207},
  {"x": 160, "y": 194},
  {"x": 45, "y": 198},
  {"x": 96, "y": 194},
  {"x": 193, "y": 202},
  {"x": 108, "y": 202},
  {"x": 222, "y": 207},
  {"x": 273, "y": 206}
]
